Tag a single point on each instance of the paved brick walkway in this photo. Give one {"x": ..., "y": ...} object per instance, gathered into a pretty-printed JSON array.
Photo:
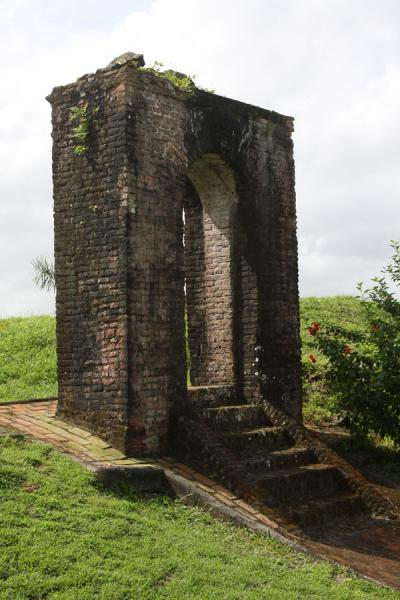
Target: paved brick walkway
[
  {"x": 372, "y": 548},
  {"x": 37, "y": 419}
]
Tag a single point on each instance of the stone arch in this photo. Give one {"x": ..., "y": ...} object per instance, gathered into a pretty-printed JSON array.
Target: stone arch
[{"x": 211, "y": 204}]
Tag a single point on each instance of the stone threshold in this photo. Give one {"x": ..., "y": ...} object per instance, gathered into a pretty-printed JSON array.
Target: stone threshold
[{"x": 36, "y": 419}]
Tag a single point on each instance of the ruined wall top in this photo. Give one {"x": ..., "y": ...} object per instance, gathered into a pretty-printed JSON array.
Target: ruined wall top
[{"x": 170, "y": 82}]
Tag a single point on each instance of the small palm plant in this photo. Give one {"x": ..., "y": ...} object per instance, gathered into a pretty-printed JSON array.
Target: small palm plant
[{"x": 44, "y": 276}]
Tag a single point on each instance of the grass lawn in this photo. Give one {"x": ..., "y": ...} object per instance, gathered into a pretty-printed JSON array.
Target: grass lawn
[
  {"x": 64, "y": 537},
  {"x": 27, "y": 358}
]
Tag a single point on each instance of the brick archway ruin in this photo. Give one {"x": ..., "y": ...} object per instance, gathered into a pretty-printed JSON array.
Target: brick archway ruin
[{"x": 152, "y": 150}]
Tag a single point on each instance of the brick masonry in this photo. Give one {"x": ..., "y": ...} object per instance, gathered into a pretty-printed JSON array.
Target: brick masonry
[{"x": 121, "y": 264}]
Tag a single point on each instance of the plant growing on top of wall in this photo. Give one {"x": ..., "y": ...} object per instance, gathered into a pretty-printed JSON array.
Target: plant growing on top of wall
[{"x": 183, "y": 82}]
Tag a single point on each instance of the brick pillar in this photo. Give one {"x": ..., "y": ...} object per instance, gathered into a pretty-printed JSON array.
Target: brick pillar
[{"x": 119, "y": 256}]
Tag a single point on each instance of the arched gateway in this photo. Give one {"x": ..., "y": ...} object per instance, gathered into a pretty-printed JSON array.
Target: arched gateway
[{"x": 163, "y": 199}]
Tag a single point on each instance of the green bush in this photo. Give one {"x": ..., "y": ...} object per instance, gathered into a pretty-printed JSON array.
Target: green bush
[{"x": 363, "y": 369}]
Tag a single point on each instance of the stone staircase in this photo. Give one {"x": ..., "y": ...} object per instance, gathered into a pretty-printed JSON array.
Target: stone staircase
[{"x": 265, "y": 463}]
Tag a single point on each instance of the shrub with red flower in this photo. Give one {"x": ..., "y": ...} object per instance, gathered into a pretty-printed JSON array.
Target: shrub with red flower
[
  {"x": 363, "y": 376},
  {"x": 312, "y": 358}
]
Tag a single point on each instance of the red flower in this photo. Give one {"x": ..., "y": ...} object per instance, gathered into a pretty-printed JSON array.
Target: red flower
[
  {"x": 312, "y": 329},
  {"x": 347, "y": 350},
  {"x": 312, "y": 358}
]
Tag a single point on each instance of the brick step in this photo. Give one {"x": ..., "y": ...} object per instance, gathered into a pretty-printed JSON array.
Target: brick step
[
  {"x": 299, "y": 484},
  {"x": 210, "y": 396},
  {"x": 326, "y": 510},
  {"x": 278, "y": 459},
  {"x": 239, "y": 415},
  {"x": 246, "y": 442}
]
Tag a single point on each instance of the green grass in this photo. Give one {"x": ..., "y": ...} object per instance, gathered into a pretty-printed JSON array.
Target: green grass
[
  {"x": 27, "y": 358},
  {"x": 62, "y": 537}
]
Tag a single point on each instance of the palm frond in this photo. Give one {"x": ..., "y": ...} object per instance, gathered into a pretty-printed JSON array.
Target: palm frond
[{"x": 44, "y": 276}]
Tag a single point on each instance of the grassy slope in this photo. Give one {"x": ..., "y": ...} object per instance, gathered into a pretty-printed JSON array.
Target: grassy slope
[
  {"x": 27, "y": 358},
  {"x": 62, "y": 537}
]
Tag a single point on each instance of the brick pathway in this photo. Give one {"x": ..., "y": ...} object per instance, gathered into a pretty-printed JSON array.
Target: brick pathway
[
  {"x": 38, "y": 420},
  {"x": 373, "y": 550}
]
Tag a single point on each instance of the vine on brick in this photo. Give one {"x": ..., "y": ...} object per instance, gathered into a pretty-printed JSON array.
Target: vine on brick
[{"x": 81, "y": 117}]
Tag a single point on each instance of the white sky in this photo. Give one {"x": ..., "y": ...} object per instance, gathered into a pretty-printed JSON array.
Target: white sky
[{"x": 332, "y": 64}]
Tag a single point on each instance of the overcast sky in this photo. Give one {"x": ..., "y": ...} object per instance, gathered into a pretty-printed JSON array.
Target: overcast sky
[{"x": 332, "y": 64}]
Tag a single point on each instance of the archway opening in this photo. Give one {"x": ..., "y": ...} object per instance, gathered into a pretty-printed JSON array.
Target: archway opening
[{"x": 210, "y": 209}]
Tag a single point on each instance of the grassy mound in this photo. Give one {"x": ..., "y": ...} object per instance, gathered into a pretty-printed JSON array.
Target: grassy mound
[
  {"x": 64, "y": 537},
  {"x": 27, "y": 358}
]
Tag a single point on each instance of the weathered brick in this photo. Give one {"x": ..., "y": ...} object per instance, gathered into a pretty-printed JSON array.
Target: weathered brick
[{"x": 121, "y": 263}]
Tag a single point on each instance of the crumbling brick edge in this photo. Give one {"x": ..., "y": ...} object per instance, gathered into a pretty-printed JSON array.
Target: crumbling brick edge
[{"x": 194, "y": 489}]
